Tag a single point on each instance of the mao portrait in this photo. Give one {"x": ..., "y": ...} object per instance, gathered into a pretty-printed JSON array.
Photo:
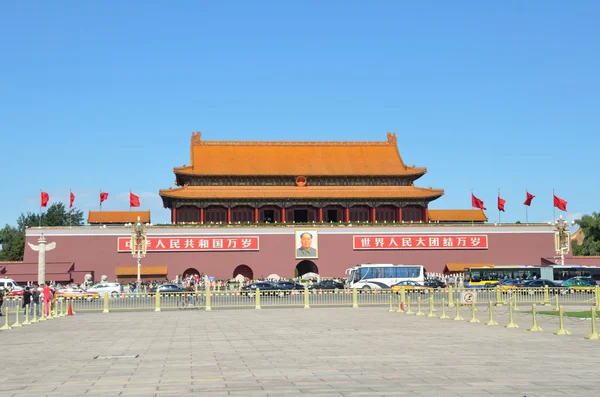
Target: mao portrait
[{"x": 307, "y": 244}]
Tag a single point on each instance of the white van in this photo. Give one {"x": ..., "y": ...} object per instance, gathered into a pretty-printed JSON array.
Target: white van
[{"x": 6, "y": 283}]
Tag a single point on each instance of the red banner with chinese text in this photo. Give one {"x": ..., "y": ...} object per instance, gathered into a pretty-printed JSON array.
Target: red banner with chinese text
[
  {"x": 183, "y": 244},
  {"x": 413, "y": 242}
]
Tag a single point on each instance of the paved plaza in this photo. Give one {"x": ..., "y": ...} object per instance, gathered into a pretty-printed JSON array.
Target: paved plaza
[{"x": 278, "y": 352}]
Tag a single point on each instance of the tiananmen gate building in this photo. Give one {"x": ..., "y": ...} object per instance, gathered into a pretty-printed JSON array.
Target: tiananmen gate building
[{"x": 289, "y": 208}]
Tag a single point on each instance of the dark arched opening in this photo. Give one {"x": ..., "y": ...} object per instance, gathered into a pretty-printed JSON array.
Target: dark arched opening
[
  {"x": 245, "y": 271},
  {"x": 305, "y": 267},
  {"x": 190, "y": 272}
]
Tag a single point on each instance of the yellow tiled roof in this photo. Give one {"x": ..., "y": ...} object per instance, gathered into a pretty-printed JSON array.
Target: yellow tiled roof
[
  {"x": 296, "y": 158},
  {"x": 457, "y": 215}
]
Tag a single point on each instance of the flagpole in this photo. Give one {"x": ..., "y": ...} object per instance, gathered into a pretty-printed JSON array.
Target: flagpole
[
  {"x": 526, "y": 212},
  {"x": 130, "y": 204},
  {"x": 40, "y": 213},
  {"x": 472, "y": 212},
  {"x": 70, "y": 209},
  {"x": 553, "y": 207},
  {"x": 100, "y": 206},
  {"x": 499, "y": 218}
]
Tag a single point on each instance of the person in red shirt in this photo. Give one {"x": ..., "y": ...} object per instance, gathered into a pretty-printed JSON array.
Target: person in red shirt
[{"x": 47, "y": 291}]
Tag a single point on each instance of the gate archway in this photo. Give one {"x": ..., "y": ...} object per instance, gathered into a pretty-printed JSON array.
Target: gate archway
[
  {"x": 244, "y": 270},
  {"x": 304, "y": 267},
  {"x": 190, "y": 272}
]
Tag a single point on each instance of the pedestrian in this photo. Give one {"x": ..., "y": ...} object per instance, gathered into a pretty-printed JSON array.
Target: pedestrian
[
  {"x": 35, "y": 298},
  {"x": 47, "y": 292},
  {"x": 1, "y": 300},
  {"x": 26, "y": 300}
]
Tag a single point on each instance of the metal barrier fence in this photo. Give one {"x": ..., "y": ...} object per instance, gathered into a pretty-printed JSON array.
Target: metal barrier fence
[{"x": 208, "y": 300}]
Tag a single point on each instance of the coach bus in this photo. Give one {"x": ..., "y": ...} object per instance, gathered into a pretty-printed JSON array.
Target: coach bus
[
  {"x": 376, "y": 276},
  {"x": 485, "y": 277}
]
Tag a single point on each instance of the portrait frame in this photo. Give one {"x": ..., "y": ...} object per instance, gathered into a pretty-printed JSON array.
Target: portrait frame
[{"x": 313, "y": 251}]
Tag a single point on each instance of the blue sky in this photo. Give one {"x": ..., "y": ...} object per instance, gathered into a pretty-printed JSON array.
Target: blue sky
[{"x": 486, "y": 95}]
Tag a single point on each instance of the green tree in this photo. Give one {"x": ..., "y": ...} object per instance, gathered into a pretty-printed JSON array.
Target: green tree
[
  {"x": 13, "y": 238},
  {"x": 590, "y": 226}
]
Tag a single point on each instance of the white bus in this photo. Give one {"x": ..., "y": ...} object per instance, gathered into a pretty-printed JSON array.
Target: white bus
[{"x": 376, "y": 276}]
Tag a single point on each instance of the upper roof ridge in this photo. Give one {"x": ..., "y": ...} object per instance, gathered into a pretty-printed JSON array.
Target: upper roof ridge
[{"x": 196, "y": 140}]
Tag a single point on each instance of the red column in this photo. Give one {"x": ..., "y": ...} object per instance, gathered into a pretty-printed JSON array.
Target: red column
[
  {"x": 399, "y": 217},
  {"x": 228, "y": 214},
  {"x": 373, "y": 215},
  {"x": 426, "y": 215},
  {"x": 201, "y": 215},
  {"x": 321, "y": 214},
  {"x": 256, "y": 215},
  {"x": 282, "y": 214},
  {"x": 347, "y": 214},
  {"x": 174, "y": 215}
]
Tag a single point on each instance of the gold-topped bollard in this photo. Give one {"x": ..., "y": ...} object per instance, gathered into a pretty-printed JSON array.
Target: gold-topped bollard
[
  {"x": 307, "y": 298},
  {"x": 354, "y": 298},
  {"x": 43, "y": 312},
  {"x": 594, "y": 335},
  {"x": 257, "y": 296},
  {"x": 457, "y": 317},
  {"x": 535, "y": 327},
  {"x": 208, "y": 297},
  {"x": 16, "y": 323},
  {"x": 61, "y": 310},
  {"x": 473, "y": 318},
  {"x": 561, "y": 322},
  {"x": 408, "y": 310},
  {"x": 597, "y": 295},
  {"x": 499, "y": 297},
  {"x": 450, "y": 298},
  {"x": 6, "y": 326},
  {"x": 27, "y": 322},
  {"x": 105, "y": 303},
  {"x": 557, "y": 308},
  {"x": 491, "y": 321},
  {"x": 431, "y": 308},
  {"x": 419, "y": 312},
  {"x": 515, "y": 307},
  {"x": 401, "y": 300},
  {"x": 444, "y": 315},
  {"x": 511, "y": 320},
  {"x": 546, "y": 301},
  {"x": 157, "y": 301},
  {"x": 35, "y": 309}
]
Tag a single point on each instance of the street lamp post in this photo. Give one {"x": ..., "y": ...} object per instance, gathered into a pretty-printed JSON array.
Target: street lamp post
[
  {"x": 561, "y": 238},
  {"x": 138, "y": 247}
]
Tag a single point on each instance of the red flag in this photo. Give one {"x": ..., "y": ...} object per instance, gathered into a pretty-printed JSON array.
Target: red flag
[
  {"x": 560, "y": 203},
  {"x": 134, "y": 201},
  {"x": 44, "y": 199},
  {"x": 501, "y": 203},
  {"x": 475, "y": 202},
  {"x": 529, "y": 198},
  {"x": 71, "y": 199},
  {"x": 103, "y": 197}
]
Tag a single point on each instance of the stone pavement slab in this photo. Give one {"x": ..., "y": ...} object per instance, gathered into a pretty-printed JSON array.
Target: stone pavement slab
[{"x": 317, "y": 352}]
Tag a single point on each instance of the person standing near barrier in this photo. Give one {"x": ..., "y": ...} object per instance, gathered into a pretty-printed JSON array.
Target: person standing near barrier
[
  {"x": 47, "y": 292},
  {"x": 1, "y": 300},
  {"x": 35, "y": 301},
  {"x": 26, "y": 300}
]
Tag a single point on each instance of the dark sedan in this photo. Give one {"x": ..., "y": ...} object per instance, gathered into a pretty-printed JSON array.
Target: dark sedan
[
  {"x": 288, "y": 285},
  {"x": 434, "y": 283},
  {"x": 250, "y": 289},
  {"x": 167, "y": 288},
  {"x": 326, "y": 284},
  {"x": 541, "y": 283}
]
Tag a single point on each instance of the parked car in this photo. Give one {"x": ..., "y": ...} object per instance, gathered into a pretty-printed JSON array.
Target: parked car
[
  {"x": 538, "y": 284},
  {"x": 113, "y": 289},
  {"x": 508, "y": 284},
  {"x": 167, "y": 288},
  {"x": 6, "y": 283},
  {"x": 579, "y": 283},
  {"x": 288, "y": 285},
  {"x": 410, "y": 285},
  {"x": 326, "y": 284},
  {"x": 250, "y": 289},
  {"x": 76, "y": 293},
  {"x": 434, "y": 283}
]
